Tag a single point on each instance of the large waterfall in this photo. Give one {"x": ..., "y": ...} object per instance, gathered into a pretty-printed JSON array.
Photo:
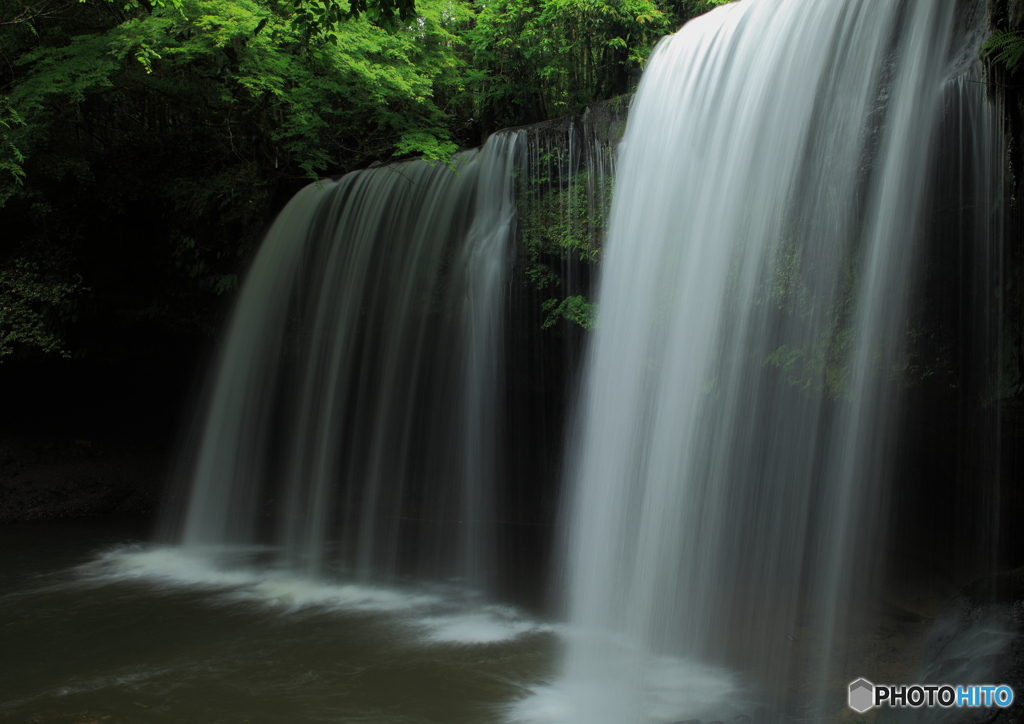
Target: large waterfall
[
  {"x": 683, "y": 415},
  {"x": 729, "y": 496},
  {"x": 795, "y": 184}
]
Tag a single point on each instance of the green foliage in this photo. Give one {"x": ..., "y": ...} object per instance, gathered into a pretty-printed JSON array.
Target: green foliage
[
  {"x": 538, "y": 59},
  {"x": 309, "y": 18},
  {"x": 148, "y": 142},
  {"x": 571, "y": 219},
  {"x": 10, "y": 157},
  {"x": 34, "y": 305},
  {"x": 317, "y": 17},
  {"x": 820, "y": 362},
  {"x": 152, "y": 145},
  {"x": 427, "y": 145},
  {"x": 562, "y": 225},
  {"x": 355, "y": 94},
  {"x": 1003, "y": 54},
  {"x": 928, "y": 356},
  {"x": 786, "y": 286},
  {"x": 545, "y": 58},
  {"x": 1005, "y": 47},
  {"x": 575, "y": 308}
]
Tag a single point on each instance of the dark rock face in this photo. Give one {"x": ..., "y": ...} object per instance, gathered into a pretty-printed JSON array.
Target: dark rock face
[
  {"x": 1015, "y": 13},
  {"x": 48, "y": 478},
  {"x": 978, "y": 639}
]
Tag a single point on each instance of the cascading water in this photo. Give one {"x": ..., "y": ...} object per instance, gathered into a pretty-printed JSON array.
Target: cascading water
[
  {"x": 383, "y": 380},
  {"x": 728, "y": 499},
  {"x": 730, "y": 488},
  {"x": 806, "y": 196},
  {"x": 354, "y": 415}
]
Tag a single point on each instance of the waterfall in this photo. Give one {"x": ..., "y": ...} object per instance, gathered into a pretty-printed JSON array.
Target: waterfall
[
  {"x": 354, "y": 415},
  {"x": 797, "y": 183},
  {"x": 389, "y": 398},
  {"x": 729, "y": 490}
]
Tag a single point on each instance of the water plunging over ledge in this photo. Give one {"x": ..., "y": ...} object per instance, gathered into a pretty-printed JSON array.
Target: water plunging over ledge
[
  {"x": 354, "y": 412},
  {"x": 728, "y": 509},
  {"x": 734, "y": 486}
]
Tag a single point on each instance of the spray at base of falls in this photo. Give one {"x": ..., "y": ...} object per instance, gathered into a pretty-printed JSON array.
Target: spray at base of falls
[{"x": 739, "y": 415}]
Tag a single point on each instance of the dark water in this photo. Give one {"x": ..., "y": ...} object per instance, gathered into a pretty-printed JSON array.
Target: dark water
[{"x": 99, "y": 625}]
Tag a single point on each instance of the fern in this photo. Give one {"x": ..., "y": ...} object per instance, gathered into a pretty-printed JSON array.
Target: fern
[
  {"x": 11, "y": 158},
  {"x": 1006, "y": 47}
]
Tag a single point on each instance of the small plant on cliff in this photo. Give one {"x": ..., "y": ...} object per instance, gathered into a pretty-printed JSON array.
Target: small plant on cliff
[{"x": 1005, "y": 47}]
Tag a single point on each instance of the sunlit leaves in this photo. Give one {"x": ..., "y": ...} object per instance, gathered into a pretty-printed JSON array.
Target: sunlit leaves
[
  {"x": 199, "y": 116},
  {"x": 190, "y": 121}
]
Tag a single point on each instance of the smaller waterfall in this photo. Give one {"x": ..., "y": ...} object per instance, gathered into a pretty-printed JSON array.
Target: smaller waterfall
[{"x": 355, "y": 412}]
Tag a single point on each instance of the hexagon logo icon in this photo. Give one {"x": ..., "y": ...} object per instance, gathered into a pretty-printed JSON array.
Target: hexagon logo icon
[{"x": 862, "y": 694}]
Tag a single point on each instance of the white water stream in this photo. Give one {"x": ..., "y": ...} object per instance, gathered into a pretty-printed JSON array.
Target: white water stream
[
  {"x": 353, "y": 417},
  {"x": 728, "y": 499}
]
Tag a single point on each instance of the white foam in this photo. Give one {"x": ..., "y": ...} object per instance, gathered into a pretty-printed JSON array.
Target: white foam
[
  {"x": 224, "y": 570},
  {"x": 165, "y": 566},
  {"x": 435, "y": 616},
  {"x": 492, "y": 624},
  {"x": 674, "y": 689},
  {"x": 293, "y": 592}
]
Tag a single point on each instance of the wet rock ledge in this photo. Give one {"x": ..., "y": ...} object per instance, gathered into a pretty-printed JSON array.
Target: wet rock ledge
[{"x": 978, "y": 638}]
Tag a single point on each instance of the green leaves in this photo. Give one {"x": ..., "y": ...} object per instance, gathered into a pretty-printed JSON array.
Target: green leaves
[
  {"x": 149, "y": 141},
  {"x": 11, "y": 172},
  {"x": 427, "y": 145},
  {"x": 1005, "y": 47},
  {"x": 562, "y": 223},
  {"x": 575, "y": 308},
  {"x": 151, "y": 148},
  {"x": 356, "y": 88},
  {"x": 33, "y": 306},
  {"x": 551, "y": 57}
]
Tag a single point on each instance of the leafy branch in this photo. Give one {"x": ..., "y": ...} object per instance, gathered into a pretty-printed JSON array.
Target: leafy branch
[
  {"x": 1005, "y": 47},
  {"x": 11, "y": 158}
]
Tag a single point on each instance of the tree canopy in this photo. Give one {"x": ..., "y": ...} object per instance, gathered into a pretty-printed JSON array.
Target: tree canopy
[{"x": 145, "y": 144}]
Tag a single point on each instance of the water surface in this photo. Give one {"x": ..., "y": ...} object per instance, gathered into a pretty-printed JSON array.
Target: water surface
[{"x": 97, "y": 622}]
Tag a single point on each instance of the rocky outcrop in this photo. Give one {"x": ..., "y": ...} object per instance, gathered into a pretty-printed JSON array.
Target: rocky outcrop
[{"x": 978, "y": 638}]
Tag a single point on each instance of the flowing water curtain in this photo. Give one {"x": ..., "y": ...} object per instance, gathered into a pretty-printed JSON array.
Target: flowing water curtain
[
  {"x": 730, "y": 484},
  {"x": 565, "y": 199},
  {"x": 353, "y": 416}
]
